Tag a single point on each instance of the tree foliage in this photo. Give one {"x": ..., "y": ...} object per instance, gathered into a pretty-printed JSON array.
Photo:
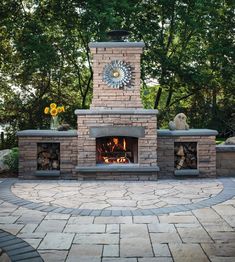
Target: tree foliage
[{"x": 44, "y": 57}]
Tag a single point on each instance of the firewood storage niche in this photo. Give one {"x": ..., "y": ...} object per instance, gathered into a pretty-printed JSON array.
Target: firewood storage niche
[
  {"x": 48, "y": 156},
  {"x": 185, "y": 155}
]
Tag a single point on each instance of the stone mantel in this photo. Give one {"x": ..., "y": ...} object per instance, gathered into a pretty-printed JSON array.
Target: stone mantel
[
  {"x": 131, "y": 131},
  {"x": 116, "y": 44}
]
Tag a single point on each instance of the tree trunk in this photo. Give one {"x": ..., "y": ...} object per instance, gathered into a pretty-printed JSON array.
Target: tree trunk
[
  {"x": 158, "y": 96},
  {"x": 170, "y": 93}
]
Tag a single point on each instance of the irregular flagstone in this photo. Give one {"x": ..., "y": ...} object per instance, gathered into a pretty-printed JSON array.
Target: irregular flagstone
[
  {"x": 96, "y": 205},
  {"x": 144, "y": 195},
  {"x": 176, "y": 200},
  {"x": 61, "y": 241},
  {"x": 123, "y": 203},
  {"x": 134, "y": 241},
  {"x": 188, "y": 253}
]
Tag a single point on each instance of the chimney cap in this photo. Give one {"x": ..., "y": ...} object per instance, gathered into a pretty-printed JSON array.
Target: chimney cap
[{"x": 118, "y": 35}]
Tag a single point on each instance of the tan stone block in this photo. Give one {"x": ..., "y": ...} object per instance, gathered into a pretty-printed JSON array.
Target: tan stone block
[{"x": 187, "y": 253}]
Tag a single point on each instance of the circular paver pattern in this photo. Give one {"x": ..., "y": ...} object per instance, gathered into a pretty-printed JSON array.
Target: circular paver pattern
[
  {"x": 117, "y": 195},
  {"x": 115, "y": 198}
]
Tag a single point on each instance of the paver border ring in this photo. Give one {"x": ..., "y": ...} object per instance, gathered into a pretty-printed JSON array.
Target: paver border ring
[
  {"x": 227, "y": 193},
  {"x": 17, "y": 249}
]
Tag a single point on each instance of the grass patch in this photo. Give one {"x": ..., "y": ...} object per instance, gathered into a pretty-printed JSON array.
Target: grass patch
[{"x": 220, "y": 140}]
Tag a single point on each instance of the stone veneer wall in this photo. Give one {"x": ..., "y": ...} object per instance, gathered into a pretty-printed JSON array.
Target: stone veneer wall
[
  {"x": 105, "y": 96},
  {"x": 225, "y": 160},
  {"x": 147, "y": 145},
  {"x": 27, "y": 141},
  {"x": 205, "y": 150}
]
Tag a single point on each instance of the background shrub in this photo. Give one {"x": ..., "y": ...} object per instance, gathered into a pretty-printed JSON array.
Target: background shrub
[{"x": 12, "y": 159}]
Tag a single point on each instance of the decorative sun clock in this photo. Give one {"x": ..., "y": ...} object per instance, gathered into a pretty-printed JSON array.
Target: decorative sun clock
[{"x": 117, "y": 74}]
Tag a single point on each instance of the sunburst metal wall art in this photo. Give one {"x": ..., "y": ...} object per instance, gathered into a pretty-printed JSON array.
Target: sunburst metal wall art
[{"x": 117, "y": 74}]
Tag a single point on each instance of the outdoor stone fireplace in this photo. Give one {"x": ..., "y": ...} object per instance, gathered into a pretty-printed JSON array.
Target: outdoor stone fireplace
[{"x": 117, "y": 138}]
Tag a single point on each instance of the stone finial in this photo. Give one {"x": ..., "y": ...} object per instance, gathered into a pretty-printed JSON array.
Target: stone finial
[
  {"x": 230, "y": 141},
  {"x": 179, "y": 122}
]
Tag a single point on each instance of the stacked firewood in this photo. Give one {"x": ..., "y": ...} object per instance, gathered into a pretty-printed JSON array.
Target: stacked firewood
[
  {"x": 48, "y": 157},
  {"x": 186, "y": 155}
]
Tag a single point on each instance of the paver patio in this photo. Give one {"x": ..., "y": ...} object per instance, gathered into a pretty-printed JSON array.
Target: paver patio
[{"x": 122, "y": 221}]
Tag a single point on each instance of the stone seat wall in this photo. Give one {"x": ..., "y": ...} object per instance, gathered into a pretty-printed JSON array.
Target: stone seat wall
[
  {"x": 225, "y": 160},
  {"x": 28, "y": 140}
]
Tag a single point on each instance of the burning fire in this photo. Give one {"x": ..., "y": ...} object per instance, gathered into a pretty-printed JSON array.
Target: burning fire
[{"x": 114, "y": 151}]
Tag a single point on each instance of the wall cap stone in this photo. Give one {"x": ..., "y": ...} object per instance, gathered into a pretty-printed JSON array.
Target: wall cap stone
[
  {"x": 225, "y": 148},
  {"x": 47, "y": 173},
  {"x": 131, "y": 131},
  {"x": 190, "y": 132},
  {"x": 186, "y": 172},
  {"x": 116, "y": 44},
  {"x": 116, "y": 111},
  {"x": 52, "y": 133},
  {"x": 127, "y": 168}
]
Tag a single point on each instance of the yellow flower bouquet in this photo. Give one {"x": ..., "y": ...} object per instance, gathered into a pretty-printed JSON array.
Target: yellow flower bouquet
[{"x": 54, "y": 111}]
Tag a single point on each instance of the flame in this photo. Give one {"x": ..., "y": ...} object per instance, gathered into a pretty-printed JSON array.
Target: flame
[
  {"x": 114, "y": 146},
  {"x": 106, "y": 160},
  {"x": 122, "y": 160}
]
